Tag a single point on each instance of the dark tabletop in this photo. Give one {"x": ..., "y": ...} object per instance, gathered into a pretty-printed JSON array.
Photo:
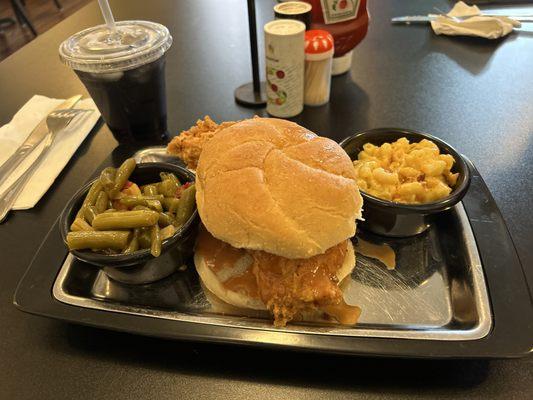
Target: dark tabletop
[{"x": 473, "y": 93}]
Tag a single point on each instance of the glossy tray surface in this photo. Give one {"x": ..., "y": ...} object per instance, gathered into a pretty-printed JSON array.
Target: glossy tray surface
[
  {"x": 438, "y": 293},
  {"x": 437, "y": 290}
]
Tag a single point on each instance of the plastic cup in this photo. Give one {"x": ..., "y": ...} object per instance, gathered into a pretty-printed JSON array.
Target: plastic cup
[{"x": 124, "y": 71}]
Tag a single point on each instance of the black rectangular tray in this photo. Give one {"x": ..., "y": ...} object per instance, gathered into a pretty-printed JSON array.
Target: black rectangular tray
[{"x": 435, "y": 304}]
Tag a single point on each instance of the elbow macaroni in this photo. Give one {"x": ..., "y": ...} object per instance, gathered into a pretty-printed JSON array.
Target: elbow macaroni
[{"x": 404, "y": 172}]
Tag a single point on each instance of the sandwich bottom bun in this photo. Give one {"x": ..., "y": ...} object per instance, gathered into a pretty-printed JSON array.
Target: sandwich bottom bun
[{"x": 225, "y": 300}]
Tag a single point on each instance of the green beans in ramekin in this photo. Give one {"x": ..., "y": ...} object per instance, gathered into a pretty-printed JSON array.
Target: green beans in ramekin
[
  {"x": 153, "y": 222},
  {"x": 111, "y": 232}
]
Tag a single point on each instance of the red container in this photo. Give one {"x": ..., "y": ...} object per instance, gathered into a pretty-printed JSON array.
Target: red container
[{"x": 346, "y": 20}]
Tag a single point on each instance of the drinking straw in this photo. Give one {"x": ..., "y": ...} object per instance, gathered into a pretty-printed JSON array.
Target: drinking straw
[{"x": 106, "y": 12}]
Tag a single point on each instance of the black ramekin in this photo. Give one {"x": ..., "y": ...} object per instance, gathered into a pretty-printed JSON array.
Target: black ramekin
[
  {"x": 139, "y": 267},
  {"x": 388, "y": 218}
]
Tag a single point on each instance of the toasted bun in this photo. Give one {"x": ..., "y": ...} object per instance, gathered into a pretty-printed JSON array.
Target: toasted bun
[
  {"x": 272, "y": 185},
  {"x": 240, "y": 300}
]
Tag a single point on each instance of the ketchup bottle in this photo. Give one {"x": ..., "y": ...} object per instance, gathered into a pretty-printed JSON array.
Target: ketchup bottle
[{"x": 347, "y": 21}]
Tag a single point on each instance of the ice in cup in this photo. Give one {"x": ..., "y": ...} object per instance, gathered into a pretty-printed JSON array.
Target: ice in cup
[{"x": 124, "y": 71}]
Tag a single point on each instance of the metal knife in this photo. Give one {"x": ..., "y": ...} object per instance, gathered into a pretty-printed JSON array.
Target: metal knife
[
  {"x": 422, "y": 19},
  {"x": 33, "y": 140}
]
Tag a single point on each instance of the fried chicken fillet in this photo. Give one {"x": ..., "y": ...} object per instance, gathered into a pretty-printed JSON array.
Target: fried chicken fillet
[
  {"x": 289, "y": 288},
  {"x": 188, "y": 144}
]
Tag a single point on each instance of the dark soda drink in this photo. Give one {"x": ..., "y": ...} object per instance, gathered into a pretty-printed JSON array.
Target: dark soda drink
[
  {"x": 132, "y": 102},
  {"x": 124, "y": 71}
]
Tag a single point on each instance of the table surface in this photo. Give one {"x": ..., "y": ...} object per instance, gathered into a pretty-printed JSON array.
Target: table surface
[{"x": 473, "y": 93}]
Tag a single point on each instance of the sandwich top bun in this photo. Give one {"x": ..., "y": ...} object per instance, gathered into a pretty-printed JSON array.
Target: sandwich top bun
[{"x": 269, "y": 184}]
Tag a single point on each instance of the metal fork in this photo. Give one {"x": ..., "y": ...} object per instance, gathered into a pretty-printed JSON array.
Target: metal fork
[{"x": 56, "y": 122}]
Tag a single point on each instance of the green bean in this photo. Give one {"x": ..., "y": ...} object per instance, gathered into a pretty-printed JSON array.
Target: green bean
[
  {"x": 167, "y": 232},
  {"x": 165, "y": 219},
  {"x": 168, "y": 176},
  {"x": 90, "y": 212},
  {"x": 168, "y": 187},
  {"x": 90, "y": 199},
  {"x": 81, "y": 212},
  {"x": 102, "y": 202},
  {"x": 80, "y": 224},
  {"x": 186, "y": 205},
  {"x": 107, "y": 178},
  {"x": 125, "y": 220},
  {"x": 132, "y": 201},
  {"x": 145, "y": 239},
  {"x": 142, "y": 187},
  {"x": 116, "y": 240},
  {"x": 155, "y": 237},
  {"x": 170, "y": 204},
  {"x": 122, "y": 176},
  {"x": 155, "y": 205},
  {"x": 140, "y": 208},
  {"x": 150, "y": 190},
  {"x": 133, "y": 245}
]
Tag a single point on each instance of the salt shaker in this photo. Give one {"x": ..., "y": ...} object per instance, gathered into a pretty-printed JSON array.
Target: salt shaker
[
  {"x": 298, "y": 10},
  {"x": 284, "y": 51},
  {"x": 319, "y": 51}
]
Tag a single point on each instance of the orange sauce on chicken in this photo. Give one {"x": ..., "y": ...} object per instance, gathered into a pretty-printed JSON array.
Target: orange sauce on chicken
[
  {"x": 344, "y": 313},
  {"x": 381, "y": 252},
  {"x": 220, "y": 256},
  {"x": 217, "y": 254},
  {"x": 245, "y": 283},
  {"x": 288, "y": 287}
]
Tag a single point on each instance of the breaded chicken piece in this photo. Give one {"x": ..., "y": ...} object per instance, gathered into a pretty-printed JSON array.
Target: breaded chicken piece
[
  {"x": 290, "y": 286},
  {"x": 188, "y": 144}
]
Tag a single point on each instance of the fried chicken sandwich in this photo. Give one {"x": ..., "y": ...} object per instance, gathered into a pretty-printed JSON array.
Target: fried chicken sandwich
[{"x": 278, "y": 206}]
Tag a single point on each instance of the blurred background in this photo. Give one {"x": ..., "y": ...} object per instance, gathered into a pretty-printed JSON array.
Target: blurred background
[{"x": 22, "y": 20}]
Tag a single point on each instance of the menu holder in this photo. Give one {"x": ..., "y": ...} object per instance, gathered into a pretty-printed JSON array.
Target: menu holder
[{"x": 252, "y": 94}]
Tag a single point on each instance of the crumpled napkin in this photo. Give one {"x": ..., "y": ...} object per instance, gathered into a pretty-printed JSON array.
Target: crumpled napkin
[
  {"x": 478, "y": 25},
  {"x": 65, "y": 144}
]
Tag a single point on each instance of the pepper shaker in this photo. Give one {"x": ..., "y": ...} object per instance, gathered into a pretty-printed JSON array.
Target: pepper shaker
[{"x": 298, "y": 10}]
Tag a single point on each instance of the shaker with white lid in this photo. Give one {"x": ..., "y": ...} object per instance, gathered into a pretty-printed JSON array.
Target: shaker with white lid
[
  {"x": 319, "y": 51},
  {"x": 284, "y": 51},
  {"x": 298, "y": 10}
]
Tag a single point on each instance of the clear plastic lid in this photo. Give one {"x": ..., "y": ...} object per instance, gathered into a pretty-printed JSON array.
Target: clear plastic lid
[{"x": 102, "y": 50}]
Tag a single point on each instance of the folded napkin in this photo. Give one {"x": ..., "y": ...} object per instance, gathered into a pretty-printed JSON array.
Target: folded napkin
[
  {"x": 477, "y": 25},
  {"x": 13, "y": 134}
]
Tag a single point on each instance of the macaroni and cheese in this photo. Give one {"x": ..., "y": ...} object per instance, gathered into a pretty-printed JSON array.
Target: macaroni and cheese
[{"x": 404, "y": 172}]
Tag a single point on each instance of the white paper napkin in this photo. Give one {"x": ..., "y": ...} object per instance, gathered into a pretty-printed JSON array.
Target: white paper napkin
[
  {"x": 65, "y": 144},
  {"x": 478, "y": 25}
]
